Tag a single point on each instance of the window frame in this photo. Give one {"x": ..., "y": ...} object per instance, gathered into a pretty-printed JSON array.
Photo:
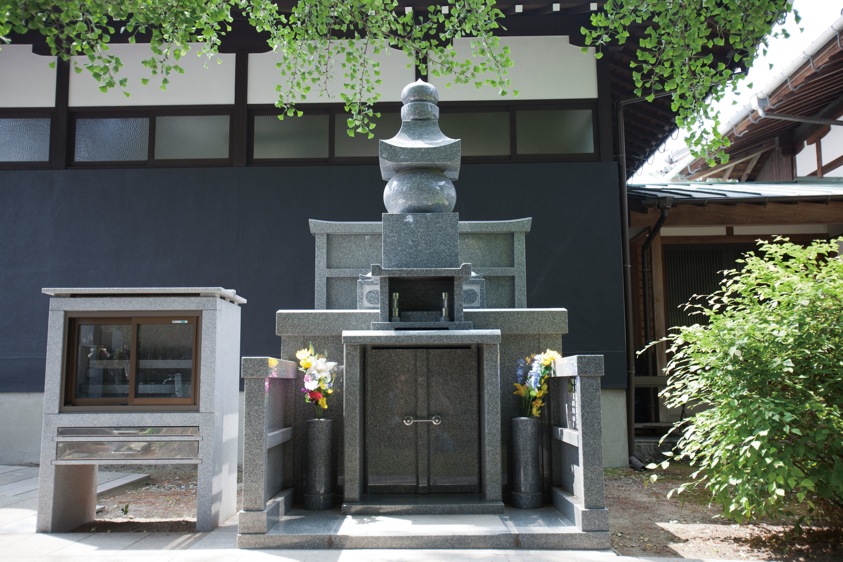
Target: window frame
[
  {"x": 28, "y": 113},
  {"x": 134, "y": 319},
  {"x": 509, "y": 108},
  {"x": 149, "y": 113},
  {"x": 240, "y": 132}
]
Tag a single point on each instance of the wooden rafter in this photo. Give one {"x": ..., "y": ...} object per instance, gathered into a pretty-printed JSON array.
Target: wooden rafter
[{"x": 751, "y": 156}]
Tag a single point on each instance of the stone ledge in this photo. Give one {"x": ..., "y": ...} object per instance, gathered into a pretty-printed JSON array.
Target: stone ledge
[
  {"x": 263, "y": 367},
  {"x": 225, "y": 294},
  {"x": 420, "y": 337},
  {"x": 376, "y": 227},
  {"x": 507, "y": 320},
  {"x": 581, "y": 366}
]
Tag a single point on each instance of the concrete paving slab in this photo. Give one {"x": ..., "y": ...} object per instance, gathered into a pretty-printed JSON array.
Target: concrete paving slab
[
  {"x": 19, "y": 496},
  {"x": 26, "y": 525},
  {"x": 9, "y": 539},
  {"x": 97, "y": 542},
  {"x": 19, "y": 542},
  {"x": 10, "y": 515},
  {"x": 23, "y": 501},
  {"x": 166, "y": 541},
  {"x": 40, "y": 544},
  {"x": 17, "y": 474},
  {"x": 20, "y": 486},
  {"x": 17, "y": 481}
]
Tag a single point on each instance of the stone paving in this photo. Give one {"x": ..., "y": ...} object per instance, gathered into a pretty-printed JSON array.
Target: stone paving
[{"x": 20, "y": 543}]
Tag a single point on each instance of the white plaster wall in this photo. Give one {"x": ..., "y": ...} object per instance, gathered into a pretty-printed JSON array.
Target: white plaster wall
[
  {"x": 833, "y": 148},
  {"x": 547, "y": 67},
  {"x": 806, "y": 160},
  {"x": 21, "y": 416},
  {"x": 28, "y": 80},
  {"x": 204, "y": 82},
  {"x": 264, "y": 76},
  {"x": 613, "y": 416}
]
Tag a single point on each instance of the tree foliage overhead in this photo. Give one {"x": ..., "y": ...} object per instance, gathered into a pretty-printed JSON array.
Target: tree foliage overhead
[
  {"x": 768, "y": 370},
  {"x": 317, "y": 38},
  {"x": 311, "y": 39},
  {"x": 677, "y": 54}
]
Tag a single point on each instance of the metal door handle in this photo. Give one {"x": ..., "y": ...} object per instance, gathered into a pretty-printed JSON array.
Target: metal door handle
[{"x": 435, "y": 420}]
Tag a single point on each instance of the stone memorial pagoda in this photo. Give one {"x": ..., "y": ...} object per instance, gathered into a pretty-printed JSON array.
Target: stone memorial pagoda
[{"x": 422, "y": 428}]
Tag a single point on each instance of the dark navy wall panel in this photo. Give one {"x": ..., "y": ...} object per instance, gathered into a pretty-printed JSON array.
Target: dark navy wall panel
[
  {"x": 574, "y": 257},
  {"x": 247, "y": 229},
  {"x": 27, "y": 210}
]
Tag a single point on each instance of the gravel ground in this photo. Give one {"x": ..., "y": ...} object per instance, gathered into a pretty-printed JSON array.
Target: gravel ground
[{"x": 643, "y": 522}]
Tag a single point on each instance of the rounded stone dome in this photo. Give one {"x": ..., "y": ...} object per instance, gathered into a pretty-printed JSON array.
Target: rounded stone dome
[
  {"x": 419, "y": 91},
  {"x": 419, "y": 191}
]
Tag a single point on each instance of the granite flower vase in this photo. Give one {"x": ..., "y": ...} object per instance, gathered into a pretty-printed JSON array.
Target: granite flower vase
[
  {"x": 319, "y": 465},
  {"x": 526, "y": 465}
]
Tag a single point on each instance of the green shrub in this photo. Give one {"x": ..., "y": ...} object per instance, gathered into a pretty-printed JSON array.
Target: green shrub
[{"x": 767, "y": 373}]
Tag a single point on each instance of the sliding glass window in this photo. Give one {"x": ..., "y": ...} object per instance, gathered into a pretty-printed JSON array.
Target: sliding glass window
[{"x": 132, "y": 361}]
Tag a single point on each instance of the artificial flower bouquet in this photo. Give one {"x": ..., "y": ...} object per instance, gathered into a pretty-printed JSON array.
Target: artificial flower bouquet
[
  {"x": 319, "y": 377},
  {"x": 532, "y": 373}
]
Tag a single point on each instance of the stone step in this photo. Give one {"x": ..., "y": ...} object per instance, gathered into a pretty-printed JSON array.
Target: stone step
[
  {"x": 422, "y": 504},
  {"x": 544, "y": 528}
]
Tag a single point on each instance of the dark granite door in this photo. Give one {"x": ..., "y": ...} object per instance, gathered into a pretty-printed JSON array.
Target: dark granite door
[{"x": 404, "y": 456}]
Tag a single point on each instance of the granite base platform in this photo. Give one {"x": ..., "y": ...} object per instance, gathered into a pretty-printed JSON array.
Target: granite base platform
[
  {"x": 422, "y": 504},
  {"x": 544, "y": 528}
]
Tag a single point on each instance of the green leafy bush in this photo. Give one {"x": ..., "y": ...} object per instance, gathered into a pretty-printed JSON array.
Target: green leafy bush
[{"x": 767, "y": 373}]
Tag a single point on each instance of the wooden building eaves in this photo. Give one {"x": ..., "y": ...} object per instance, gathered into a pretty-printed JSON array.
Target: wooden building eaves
[{"x": 812, "y": 89}]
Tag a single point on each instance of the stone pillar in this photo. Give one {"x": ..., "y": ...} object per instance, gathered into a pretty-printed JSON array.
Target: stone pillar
[
  {"x": 581, "y": 495},
  {"x": 266, "y": 385},
  {"x": 353, "y": 424}
]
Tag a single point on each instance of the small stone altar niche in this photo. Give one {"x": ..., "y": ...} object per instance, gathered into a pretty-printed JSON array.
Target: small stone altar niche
[{"x": 420, "y": 278}]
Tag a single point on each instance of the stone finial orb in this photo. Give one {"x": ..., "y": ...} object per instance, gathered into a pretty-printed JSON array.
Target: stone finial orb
[
  {"x": 419, "y": 191},
  {"x": 420, "y": 162},
  {"x": 419, "y": 91}
]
